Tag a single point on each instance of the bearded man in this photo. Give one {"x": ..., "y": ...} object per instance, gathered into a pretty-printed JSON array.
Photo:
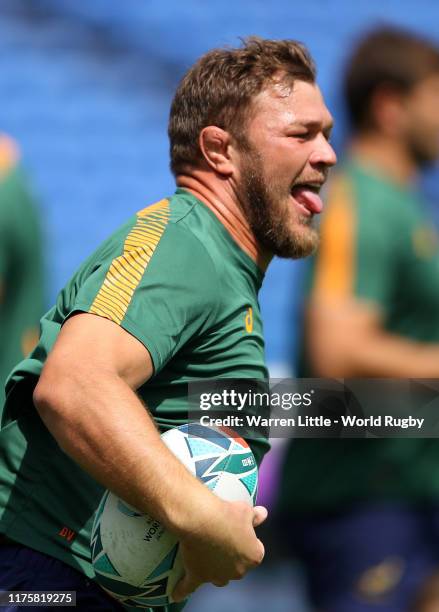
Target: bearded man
[{"x": 167, "y": 299}]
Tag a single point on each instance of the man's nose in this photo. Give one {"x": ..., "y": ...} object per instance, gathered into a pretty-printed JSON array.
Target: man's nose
[{"x": 323, "y": 153}]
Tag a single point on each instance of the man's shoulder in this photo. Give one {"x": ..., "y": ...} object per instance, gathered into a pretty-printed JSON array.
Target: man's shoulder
[
  {"x": 174, "y": 224},
  {"x": 178, "y": 229},
  {"x": 366, "y": 196},
  {"x": 153, "y": 245},
  {"x": 179, "y": 208},
  {"x": 9, "y": 155},
  {"x": 350, "y": 186}
]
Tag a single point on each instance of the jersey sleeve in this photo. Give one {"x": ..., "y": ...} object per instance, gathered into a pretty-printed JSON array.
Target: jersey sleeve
[
  {"x": 356, "y": 257},
  {"x": 162, "y": 289},
  {"x": 9, "y": 156},
  {"x": 4, "y": 250}
]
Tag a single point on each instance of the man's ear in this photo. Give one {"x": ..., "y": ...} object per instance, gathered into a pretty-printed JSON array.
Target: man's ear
[{"x": 215, "y": 144}]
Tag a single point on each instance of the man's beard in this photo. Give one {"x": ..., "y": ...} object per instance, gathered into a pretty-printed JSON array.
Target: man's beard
[{"x": 269, "y": 210}]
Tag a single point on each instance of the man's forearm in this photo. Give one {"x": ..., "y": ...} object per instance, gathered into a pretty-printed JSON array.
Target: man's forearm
[
  {"x": 376, "y": 355},
  {"x": 100, "y": 422},
  {"x": 393, "y": 356}
]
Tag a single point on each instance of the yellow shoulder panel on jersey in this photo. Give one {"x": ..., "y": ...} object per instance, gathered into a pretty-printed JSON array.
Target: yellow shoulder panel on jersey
[
  {"x": 126, "y": 271},
  {"x": 9, "y": 154},
  {"x": 335, "y": 266}
]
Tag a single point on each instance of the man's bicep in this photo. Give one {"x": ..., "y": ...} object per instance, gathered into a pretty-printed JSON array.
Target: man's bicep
[
  {"x": 336, "y": 329},
  {"x": 87, "y": 339},
  {"x": 165, "y": 304}
]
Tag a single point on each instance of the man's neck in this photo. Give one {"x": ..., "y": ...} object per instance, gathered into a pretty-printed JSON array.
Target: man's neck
[
  {"x": 387, "y": 155},
  {"x": 217, "y": 195}
]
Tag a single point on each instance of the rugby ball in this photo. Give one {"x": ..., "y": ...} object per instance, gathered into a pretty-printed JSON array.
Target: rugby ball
[{"x": 135, "y": 559}]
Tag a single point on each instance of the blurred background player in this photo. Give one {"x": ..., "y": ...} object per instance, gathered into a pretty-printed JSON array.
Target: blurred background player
[
  {"x": 21, "y": 276},
  {"x": 363, "y": 515}
]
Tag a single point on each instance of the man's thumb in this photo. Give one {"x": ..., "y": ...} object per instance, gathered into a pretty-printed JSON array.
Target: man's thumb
[{"x": 260, "y": 513}]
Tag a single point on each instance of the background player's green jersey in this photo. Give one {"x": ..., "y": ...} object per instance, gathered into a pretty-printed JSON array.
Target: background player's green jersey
[
  {"x": 174, "y": 278},
  {"x": 21, "y": 282},
  {"x": 379, "y": 245}
]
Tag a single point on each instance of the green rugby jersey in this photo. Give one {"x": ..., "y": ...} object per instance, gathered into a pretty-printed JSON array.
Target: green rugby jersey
[
  {"x": 377, "y": 244},
  {"x": 21, "y": 268},
  {"x": 174, "y": 278}
]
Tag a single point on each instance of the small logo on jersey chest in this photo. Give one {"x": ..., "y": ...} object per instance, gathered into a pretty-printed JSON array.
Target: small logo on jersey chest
[{"x": 249, "y": 320}]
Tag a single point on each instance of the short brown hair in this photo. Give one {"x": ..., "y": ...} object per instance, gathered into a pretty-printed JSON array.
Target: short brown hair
[
  {"x": 389, "y": 57},
  {"x": 219, "y": 88}
]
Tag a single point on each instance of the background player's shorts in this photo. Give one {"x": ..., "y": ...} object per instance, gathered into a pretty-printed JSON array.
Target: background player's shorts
[{"x": 371, "y": 557}]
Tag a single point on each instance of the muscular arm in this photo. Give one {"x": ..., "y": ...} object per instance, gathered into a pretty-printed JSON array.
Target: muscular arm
[
  {"x": 346, "y": 338},
  {"x": 86, "y": 398}
]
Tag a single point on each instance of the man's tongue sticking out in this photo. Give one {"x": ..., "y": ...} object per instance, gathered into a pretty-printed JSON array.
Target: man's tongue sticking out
[{"x": 308, "y": 198}]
